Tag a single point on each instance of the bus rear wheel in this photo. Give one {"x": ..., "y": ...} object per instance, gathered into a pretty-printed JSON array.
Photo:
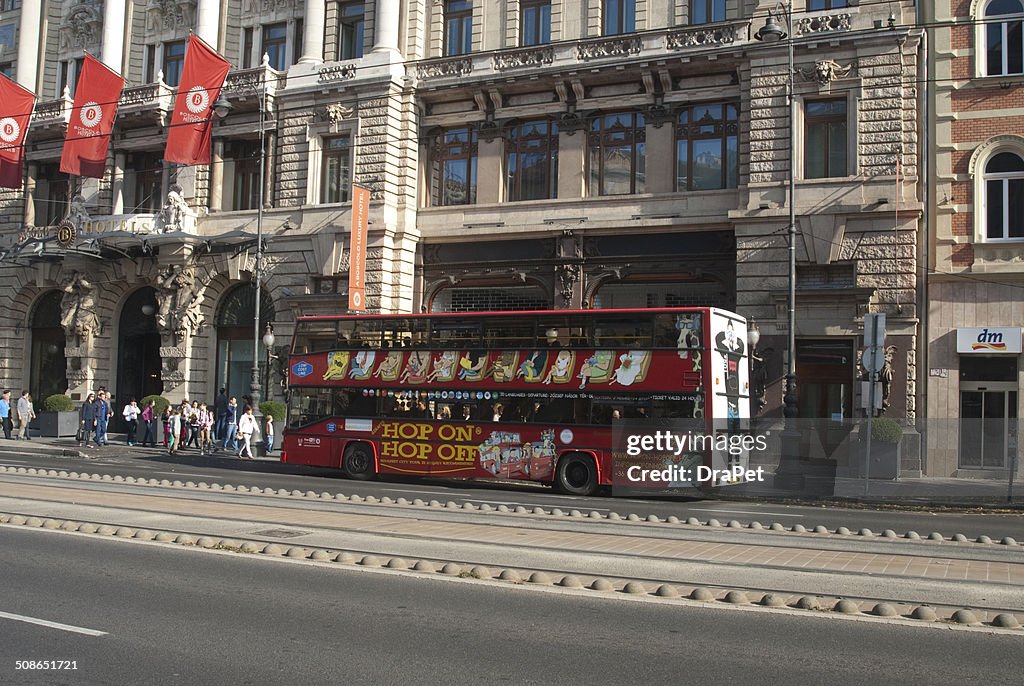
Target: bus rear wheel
[
  {"x": 358, "y": 462},
  {"x": 576, "y": 475}
]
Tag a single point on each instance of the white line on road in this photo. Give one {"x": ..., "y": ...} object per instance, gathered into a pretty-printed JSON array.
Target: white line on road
[
  {"x": 208, "y": 476},
  {"x": 759, "y": 512},
  {"x": 52, "y": 625}
]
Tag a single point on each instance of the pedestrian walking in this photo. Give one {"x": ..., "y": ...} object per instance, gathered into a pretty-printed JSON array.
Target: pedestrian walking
[
  {"x": 25, "y": 415},
  {"x": 102, "y": 413},
  {"x": 166, "y": 417},
  {"x": 131, "y": 414},
  {"x": 5, "y": 412},
  {"x": 231, "y": 426},
  {"x": 221, "y": 409},
  {"x": 205, "y": 429},
  {"x": 246, "y": 428},
  {"x": 86, "y": 420},
  {"x": 174, "y": 439},
  {"x": 182, "y": 436},
  {"x": 149, "y": 422},
  {"x": 268, "y": 433}
]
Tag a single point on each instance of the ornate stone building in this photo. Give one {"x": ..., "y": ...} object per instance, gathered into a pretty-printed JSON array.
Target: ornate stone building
[
  {"x": 976, "y": 216},
  {"x": 521, "y": 154}
]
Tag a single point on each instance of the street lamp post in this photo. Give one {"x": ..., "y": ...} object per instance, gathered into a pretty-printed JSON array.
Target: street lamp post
[
  {"x": 222, "y": 108},
  {"x": 788, "y": 475},
  {"x": 268, "y": 345}
]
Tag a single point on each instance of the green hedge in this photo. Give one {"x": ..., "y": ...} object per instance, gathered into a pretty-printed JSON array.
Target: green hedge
[
  {"x": 161, "y": 403},
  {"x": 275, "y": 408},
  {"x": 58, "y": 402},
  {"x": 886, "y": 430}
]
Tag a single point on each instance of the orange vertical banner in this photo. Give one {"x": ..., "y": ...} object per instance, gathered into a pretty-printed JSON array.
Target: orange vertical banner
[{"x": 357, "y": 248}]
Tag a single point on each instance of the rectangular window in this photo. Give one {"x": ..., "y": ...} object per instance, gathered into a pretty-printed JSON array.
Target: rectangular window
[
  {"x": 247, "y": 46},
  {"x": 8, "y": 5},
  {"x": 146, "y": 183},
  {"x": 246, "y": 185},
  {"x": 174, "y": 60},
  {"x": 535, "y": 22},
  {"x": 707, "y": 11},
  {"x": 458, "y": 27},
  {"x": 825, "y": 139},
  {"x": 275, "y": 43},
  {"x": 336, "y": 175},
  {"x": 300, "y": 30},
  {"x": 619, "y": 16},
  {"x": 707, "y": 147},
  {"x": 454, "y": 163},
  {"x": 351, "y": 20},
  {"x": 7, "y": 69},
  {"x": 819, "y": 5},
  {"x": 150, "y": 75},
  {"x": 532, "y": 161},
  {"x": 617, "y": 154}
]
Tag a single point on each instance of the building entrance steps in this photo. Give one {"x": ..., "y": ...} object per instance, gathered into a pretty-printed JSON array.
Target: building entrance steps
[{"x": 898, "y": 570}]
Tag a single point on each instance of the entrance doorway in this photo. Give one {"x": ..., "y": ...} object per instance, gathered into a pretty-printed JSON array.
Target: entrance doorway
[
  {"x": 138, "y": 369},
  {"x": 824, "y": 372},
  {"x": 48, "y": 372},
  {"x": 988, "y": 412}
]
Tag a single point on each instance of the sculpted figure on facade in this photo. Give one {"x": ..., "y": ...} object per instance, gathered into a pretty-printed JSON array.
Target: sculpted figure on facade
[
  {"x": 77, "y": 214},
  {"x": 181, "y": 296},
  {"x": 78, "y": 309},
  {"x": 175, "y": 210}
]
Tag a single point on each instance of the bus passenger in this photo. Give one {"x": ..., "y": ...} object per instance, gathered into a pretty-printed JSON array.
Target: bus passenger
[
  {"x": 498, "y": 409},
  {"x": 467, "y": 413}
]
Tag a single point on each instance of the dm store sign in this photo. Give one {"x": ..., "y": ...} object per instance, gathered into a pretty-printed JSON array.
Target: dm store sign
[{"x": 988, "y": 340}]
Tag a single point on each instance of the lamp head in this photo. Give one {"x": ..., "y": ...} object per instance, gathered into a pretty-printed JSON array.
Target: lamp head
[
  {"x": 222, "y": 107},
  {"x": 772, "y": 31}
]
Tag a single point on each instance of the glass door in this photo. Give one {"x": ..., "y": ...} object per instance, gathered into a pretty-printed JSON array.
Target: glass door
[{"x": 987, "y": 426}]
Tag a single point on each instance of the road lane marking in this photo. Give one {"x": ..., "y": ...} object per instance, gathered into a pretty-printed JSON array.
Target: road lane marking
[
  {"x": 208, "y": 476},
  {"x": 52, "y": 625},
  {"x": 759, "y": 512}
]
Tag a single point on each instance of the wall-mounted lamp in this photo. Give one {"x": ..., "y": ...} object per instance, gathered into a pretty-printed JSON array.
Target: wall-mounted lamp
[{"x": 148, "y": 310}]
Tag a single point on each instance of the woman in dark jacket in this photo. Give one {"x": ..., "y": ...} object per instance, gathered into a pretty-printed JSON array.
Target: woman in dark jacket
[{"x": 87, "y": 419}]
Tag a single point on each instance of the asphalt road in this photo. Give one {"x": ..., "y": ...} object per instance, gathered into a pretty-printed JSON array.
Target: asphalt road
[
  {"x": 226, "y": 470},
  {"x": 178, "y": 616}
]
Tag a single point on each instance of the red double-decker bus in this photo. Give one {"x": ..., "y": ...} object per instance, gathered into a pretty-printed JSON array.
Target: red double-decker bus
[{"x": 527, "y": 396}]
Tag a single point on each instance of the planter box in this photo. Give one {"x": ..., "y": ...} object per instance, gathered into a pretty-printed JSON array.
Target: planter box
[
  {"x": 885, "y": 460},
  {"x": 55, "y": 424}
]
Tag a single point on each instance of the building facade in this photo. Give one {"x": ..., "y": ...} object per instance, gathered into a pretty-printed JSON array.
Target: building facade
[
  {"x": 976, "y": 277},
  {"x": 520, "y": 154}
]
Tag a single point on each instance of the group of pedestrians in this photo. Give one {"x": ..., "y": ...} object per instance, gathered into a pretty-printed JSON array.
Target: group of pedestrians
[{"x": 15, "y": 416}]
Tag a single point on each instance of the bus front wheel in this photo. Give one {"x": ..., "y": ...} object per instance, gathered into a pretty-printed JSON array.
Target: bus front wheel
[
  {"x": 358, "y": 462},
  {"x": 576, "y": 475}
]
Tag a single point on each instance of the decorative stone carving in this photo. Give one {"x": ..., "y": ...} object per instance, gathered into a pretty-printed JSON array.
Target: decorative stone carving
[
  {"x": 447, "y": 68},
  {"x": 700, "y": 37},
  {"x": 825, "y": 72},
  {"x": 81, "y": 26},
  {"x": 523, "y": 59},
  {"x": 568, "y": 275},
  {"x": 571, "y": 122},
  {"x": 612, "y": 47},
  {"x": 166, "y": 15},
  {"x": 334, "y": 113},
  {"x": 76, "y": 377},
  {"x": 176, "y": 211},
  {"x": 823, "y": 23},
  {"x": 77, "y": 214},
  {"x": 488, "y": 130},
  {"x": 336, "y": 72},
  {"x": 180, "y": 296},
  {"x": 78, "y": 310}
]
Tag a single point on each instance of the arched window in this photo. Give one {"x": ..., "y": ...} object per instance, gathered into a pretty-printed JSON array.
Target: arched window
[
  {"x": 1004, "y": 43},
  {"x": 1004, "y": 197},
  {"x": 138, "y": 350},
  {"x": 235, "y": 338},
  {"x": 48, "y": 373}
]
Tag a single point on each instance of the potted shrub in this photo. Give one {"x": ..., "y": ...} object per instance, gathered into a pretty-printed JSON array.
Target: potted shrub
[
  {"x": 886, "y": 437},
  {"x": 158, "y": 412},
  {"x": 58, "y": 418},
  {"x": 277, "y": 410}
]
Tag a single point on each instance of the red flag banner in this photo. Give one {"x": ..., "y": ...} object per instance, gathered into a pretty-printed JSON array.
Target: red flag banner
[
  {"x": 16, "y": 105},
  {"x": 357, "y": 248},
  {"x": 202, "y": 77},
  {"x": 92, "y": 120}
]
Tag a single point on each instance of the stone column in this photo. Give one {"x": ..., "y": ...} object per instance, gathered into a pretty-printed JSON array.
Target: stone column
[
  {"x": 313, "y": 38},
  {"x": 208, "y": 21},
  {"x": 489, "y": 176},
  {"x": 217, "y": 176},
  {"x": 385, "y": 26},
  {"x": 30, "y": 195},
  {"x": 572, "y": 150},
  {"x": 660, "y": 158},
  {"x": 28, "y": 43},
  {"x": 114, "y": 28},
  {"x": 117, "y": 184}
]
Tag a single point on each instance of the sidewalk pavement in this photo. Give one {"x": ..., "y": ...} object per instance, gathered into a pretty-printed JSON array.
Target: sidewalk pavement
[
  {"x": 986, "y": 577},
  {"x": 69, "y": 446}
]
